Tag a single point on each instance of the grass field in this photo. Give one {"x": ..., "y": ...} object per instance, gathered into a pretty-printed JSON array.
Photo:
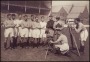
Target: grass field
[{"x": 38, "y": 54}]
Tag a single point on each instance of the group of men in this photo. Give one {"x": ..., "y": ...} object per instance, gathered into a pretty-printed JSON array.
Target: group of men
[
  {"x": 25, "y": 29},
  {"x": 35, "y": 32}
]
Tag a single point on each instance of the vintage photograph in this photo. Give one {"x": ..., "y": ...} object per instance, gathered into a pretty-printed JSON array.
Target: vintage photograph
[{"x": 44, "y": 30}]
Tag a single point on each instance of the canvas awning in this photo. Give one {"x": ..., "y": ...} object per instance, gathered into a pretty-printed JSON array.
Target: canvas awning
[{"x": 27, "y": 6}]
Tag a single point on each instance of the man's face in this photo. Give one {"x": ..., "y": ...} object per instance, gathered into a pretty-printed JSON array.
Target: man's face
[
  {"x": 20, "y": 16},
  {"x": 75, "y": 21},
  {"x": 57, "y": 19},
  {"x": 9, "y": 17},
  {"x": 25, "y": 17},
  {"x": 37, "y": 20},
  {"x": 42, "y": 19},
  {"x": 50, "y": 18},
  {"x": 32, "y": 17},
  {"x": 13, "y": 17}
]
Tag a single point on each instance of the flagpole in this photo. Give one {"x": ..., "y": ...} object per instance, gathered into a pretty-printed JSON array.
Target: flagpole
[{"x": 8, "y": 5}]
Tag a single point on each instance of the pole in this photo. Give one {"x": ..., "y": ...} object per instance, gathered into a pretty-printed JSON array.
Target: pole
[
  {"x": 39, "y": 7},
  {"x": 8, "y": 5},
  {"x": 49, "y": 44},
  {"x": 47, "y": 51},
  {"x": 25, "y": 7},
  {"x": 71, "y": 37}
]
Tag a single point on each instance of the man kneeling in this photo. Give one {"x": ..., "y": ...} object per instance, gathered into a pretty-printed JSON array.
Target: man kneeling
[{"x": 61, "y": 44}]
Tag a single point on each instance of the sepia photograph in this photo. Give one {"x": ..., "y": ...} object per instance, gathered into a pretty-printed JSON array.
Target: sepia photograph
[{"x": 44, "y": 30}]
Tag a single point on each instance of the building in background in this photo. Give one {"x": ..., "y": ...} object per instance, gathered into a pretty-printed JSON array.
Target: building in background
[{"x": 79, "y": 12}]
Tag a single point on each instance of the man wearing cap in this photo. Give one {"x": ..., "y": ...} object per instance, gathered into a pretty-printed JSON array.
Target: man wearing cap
[{"x": 58, "y": 26}]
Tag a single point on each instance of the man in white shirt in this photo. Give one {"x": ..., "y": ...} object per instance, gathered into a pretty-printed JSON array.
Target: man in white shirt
[
  {"x": 31, "y": 21},
  {"x": 18, "y": 23},
  {"x": 9, "y": 32},
  {"x": 36, "y": 32},
  {"x": 61, "y": 44},
  {"x": 42, "y": 30},
  {"x": 25, "y": 31}
]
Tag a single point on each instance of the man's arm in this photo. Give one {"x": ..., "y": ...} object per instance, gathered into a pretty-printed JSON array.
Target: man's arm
[
  {"x": 54, "y": 25},
  {"x": 6, "y": 25},
  {"x": 58, "y": 40},
  {"x": 79, "y": 29}
]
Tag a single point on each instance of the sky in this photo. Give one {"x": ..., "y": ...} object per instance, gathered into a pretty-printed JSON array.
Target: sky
[{"x": 76, "y": 3}]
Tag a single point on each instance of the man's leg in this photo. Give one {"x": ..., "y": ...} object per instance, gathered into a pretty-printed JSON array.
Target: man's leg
[
  {"x": 22, "y": 42},
  {"x": 26, "y": 42},
  {"x": 6, "y": 34},
  {"x": 11, "y": 43},
  {"x": 5, "y": 43},
  {"x": 82, "y": 46},
  {"x": 15, "y": 38},
  {"x": 32, "y": 41}
]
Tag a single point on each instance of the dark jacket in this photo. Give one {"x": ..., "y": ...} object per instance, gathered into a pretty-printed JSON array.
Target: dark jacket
[{"x": 50, "y": 24}]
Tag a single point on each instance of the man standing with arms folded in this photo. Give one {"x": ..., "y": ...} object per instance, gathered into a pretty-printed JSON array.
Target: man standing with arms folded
[
  {"x": 9, "y": 25},
  {"x": 31, "y": 30},
  {"x": 25, "y": 31},
  {"x": 43, "y": 28},
  {"x": 36, "y": 32}
]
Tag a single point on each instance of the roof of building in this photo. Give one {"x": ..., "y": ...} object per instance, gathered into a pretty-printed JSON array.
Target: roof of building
[
  {"x": 73, "y": 15},
  {"x": 56, "y": 8},
  {"x": 67, "y": 8},
  {"x": 77, "y": 9}
]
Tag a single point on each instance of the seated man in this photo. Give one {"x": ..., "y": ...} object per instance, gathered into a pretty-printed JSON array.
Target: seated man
[{"x": 61, "y": 44}]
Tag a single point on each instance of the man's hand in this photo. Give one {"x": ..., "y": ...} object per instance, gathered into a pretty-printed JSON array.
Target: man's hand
[
  {"x": 51, "y": 41},
  {"x": 73, "y": 27}
]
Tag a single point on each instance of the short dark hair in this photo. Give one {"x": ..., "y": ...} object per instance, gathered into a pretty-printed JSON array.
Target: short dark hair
[
  {"x": 8, "y": 14},
  {"x": 25, "y": 16},
  {"x": 42, "y": 16},
  {"x": 78, "y": 19},
  {"x": 32, "y": 15},
  {"x": 13, "y": 15},
  {"x": 50, "y": 16},
  {"x": 19, "y": 14},
  {"x": 58, "y": 18}
]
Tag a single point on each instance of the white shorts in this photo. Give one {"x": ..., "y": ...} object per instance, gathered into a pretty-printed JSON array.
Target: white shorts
[
  {"x": 42, "y": 33},
  {"x": 24, "y": 32},
  {"x": 16, "y": 32},
  {"x": 63, "y": 48},
  {"x": 20, "y": 31},
  {"x": 36, "y": 33},
  {"x": 30, "y": 33},
  {"x": 9, "y": 31},
  {"x": 84, "y": 35}
]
